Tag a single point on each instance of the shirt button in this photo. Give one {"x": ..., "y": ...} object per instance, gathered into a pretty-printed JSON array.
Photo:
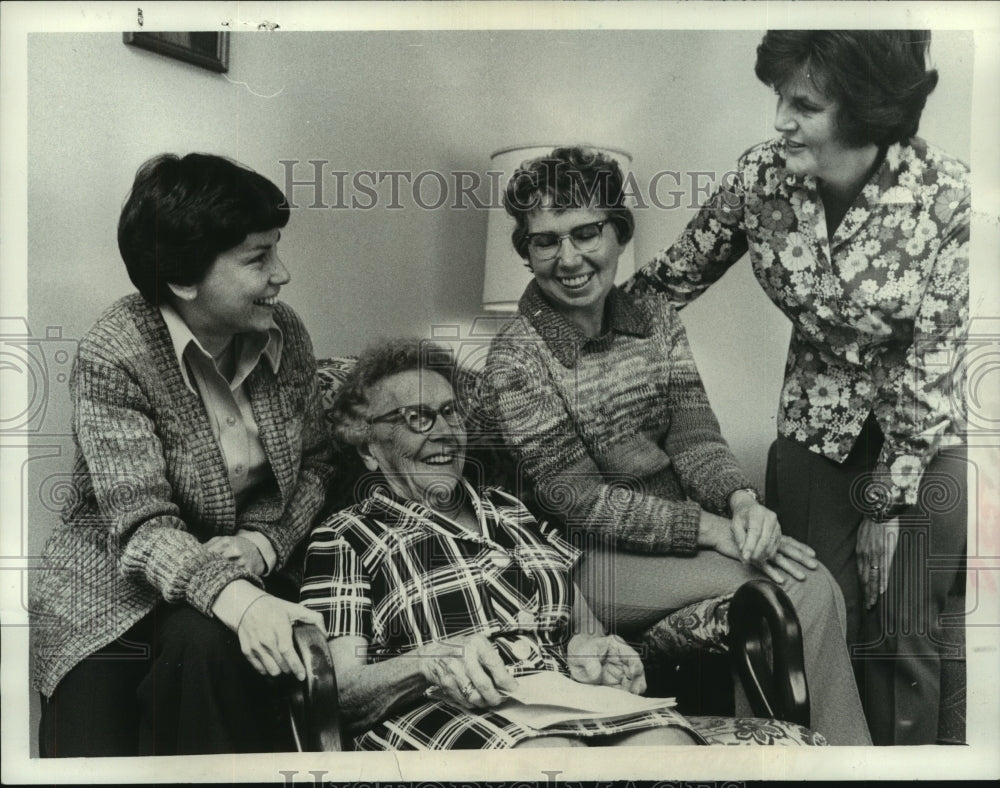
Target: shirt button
[
  {"x": 231, "y": 421},
  {"x": 525, "y": 618},
  {"x": 238, "y": 469}
]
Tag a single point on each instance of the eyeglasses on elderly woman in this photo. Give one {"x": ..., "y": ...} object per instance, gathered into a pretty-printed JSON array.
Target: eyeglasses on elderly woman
[
  {"x": 422, "y": 418},
  {"x": 585, "y": 237}
]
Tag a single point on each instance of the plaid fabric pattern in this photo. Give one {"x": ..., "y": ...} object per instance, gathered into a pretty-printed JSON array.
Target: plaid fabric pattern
[{"x": 398, "y": 574}]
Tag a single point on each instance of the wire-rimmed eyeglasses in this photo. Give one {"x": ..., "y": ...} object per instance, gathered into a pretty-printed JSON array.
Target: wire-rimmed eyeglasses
[
  {"x": 421, "y": 418},
  {"x": 585, "y": 238}
]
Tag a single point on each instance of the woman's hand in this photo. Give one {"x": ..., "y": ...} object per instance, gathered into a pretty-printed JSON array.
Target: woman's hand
[
  {"x": 607, "y": 660},
  {"x": 718, "y": 533},
  {"x": 875, "y": 550},
  {"x": 468, "y": 670},
  {"x": 755, "y": 528},
  {"x": 240, "y": 551},
  {"x": 265, "y": 634}
]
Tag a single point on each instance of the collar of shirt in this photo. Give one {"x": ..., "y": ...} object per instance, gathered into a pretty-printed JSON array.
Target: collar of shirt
[
  {"x": 393, "y": 508},
  {"x": 252, "y": 348},
  {"x": 565, "y": 340}
]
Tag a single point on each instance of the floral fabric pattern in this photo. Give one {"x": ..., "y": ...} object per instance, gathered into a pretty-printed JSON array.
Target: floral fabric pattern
[{"x": 879, "y": 311}]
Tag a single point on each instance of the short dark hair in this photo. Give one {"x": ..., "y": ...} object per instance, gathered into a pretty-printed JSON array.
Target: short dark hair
[
  {"x": 568, "y": 178},
  {"x": 182, "y": 213},
  {"x": 350, "y": 410},
  {"x": 878, "y": 77}
]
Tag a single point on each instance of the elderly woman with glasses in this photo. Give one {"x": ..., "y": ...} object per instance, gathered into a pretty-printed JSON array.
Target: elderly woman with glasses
[
  {"x": 597, "y": 396},
  {"x": 858, "y": 230},
  {"x": 437, "y": 594}
]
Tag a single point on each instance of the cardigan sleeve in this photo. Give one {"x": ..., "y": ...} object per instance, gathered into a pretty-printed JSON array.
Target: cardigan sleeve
[
  {"x": 713, "y": 241},
  {"x": 530, "y": 415},
  {"x": 287, "y": 525},
  {"x": 925, "y": 389},
  {"x": 701, "y": 457},
  {"x": 126, "y": 463}
]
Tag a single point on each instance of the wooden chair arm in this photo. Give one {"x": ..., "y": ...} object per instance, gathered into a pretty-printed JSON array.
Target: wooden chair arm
[
  {"x": 766, "y": 644},
  {"x": 313, "y": 704}
]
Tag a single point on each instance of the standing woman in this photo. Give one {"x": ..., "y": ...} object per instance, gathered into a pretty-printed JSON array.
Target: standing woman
[
  {"x": 201, "y": 462},
  {"x": 858, "y": 231}
]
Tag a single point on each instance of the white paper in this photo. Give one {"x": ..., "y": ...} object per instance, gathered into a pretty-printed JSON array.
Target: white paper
[{"x": 548, "y": 698}]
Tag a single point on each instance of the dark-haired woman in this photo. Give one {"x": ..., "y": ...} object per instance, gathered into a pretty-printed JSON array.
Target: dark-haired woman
[
  {"x": 598, "y": 397},
  {"x": 858, "y": 230},
  {"x": 201, "y": 463}
]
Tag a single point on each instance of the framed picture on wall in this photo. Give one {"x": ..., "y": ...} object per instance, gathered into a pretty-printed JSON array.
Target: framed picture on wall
[{"x": 208, "y": 50}]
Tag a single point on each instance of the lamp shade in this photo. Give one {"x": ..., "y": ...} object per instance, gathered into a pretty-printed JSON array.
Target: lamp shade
[{"x": 505, "y": 276}]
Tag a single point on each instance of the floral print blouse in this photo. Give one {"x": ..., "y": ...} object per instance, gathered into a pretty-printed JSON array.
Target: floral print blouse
[{"x": 879, "y": 311}]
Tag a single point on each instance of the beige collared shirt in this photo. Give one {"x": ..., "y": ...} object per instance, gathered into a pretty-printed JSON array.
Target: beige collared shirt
[{"x": 228, "y": 408}]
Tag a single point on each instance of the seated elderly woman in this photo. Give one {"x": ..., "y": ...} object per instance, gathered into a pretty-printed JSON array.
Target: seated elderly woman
[{"x": 437, "y": 596}]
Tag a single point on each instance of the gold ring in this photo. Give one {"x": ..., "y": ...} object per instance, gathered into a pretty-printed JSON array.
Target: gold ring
[{"x": 468, "y": 689}]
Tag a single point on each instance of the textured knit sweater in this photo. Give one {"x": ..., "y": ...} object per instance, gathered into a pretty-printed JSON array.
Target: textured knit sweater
[
  {"x": 615, "y": 434},
  {"x": 150, "y": 485}
]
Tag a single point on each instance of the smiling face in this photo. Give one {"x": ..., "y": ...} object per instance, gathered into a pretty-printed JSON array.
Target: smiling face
[
  {"x": 808, "y": 122},
  {"x": 576, "y": 283},
  {"x": 424, "y": 467},
  {"x": 237, "y": 295}
]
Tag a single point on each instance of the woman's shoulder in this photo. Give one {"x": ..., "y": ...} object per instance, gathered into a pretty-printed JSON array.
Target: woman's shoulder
[
  {"x": 764, "y": 154},
  {"x": 930, "y": 163},
  {"x": 126, "y": 327},
  {"x": 513, "y": 343}
]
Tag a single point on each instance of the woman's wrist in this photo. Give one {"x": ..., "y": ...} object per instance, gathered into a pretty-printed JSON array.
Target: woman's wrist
[
  {"x": 745, "y": 496},
  {"x": 711, "y": 528}
]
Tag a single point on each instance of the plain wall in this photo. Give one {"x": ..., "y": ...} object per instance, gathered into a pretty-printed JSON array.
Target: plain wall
[{"x": 408, "y": 101}]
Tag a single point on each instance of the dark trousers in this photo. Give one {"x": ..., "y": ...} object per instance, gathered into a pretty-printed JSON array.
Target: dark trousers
[
  {"x": 175, "y": 683},
  {"x": 912, "y": 640}
]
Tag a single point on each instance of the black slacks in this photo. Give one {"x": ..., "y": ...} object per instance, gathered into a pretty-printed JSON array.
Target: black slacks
[
  {"x": 175, "y": 683},
  {"x": 901, "y": 646}
]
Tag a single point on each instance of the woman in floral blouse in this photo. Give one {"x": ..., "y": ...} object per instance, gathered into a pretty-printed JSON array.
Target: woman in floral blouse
[{"x": 858, "y": 230}]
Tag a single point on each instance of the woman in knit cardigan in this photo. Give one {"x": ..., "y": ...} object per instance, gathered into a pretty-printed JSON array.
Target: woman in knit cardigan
[
  {"x": 201, "y": 462},
  {"x": 598, "y": 397}
]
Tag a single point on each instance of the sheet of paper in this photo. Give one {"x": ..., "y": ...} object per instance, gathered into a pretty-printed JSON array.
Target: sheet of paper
[
  {"x": 546, "y": 699},
  {"x": 549, "y": 688}
]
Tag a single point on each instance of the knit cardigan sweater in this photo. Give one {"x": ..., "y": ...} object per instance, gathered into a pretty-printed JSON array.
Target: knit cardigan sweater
[
  {"x": 614, "y": 434},
  {"x": 150, "y": 485}
]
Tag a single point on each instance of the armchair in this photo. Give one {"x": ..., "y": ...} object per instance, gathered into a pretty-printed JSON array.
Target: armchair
[
  {"x": 761, "y": 622},
  {"x": 764, "y": 639}
]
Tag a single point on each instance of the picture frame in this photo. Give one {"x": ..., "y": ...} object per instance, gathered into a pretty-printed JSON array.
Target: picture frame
[{"x": 204, "y": 49}]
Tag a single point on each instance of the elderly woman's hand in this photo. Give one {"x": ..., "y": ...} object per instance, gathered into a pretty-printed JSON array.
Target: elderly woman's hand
[
  {"x": 876, "y": 547},
  {"x": 240, "y": 551},
  {"x": 605, "y": 659},
  {"x": 265, "y": 634},
  {"x": 467, "y": 669}
]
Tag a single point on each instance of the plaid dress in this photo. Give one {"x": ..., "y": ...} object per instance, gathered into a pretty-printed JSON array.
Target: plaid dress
[{"x": 400, "y": 575}]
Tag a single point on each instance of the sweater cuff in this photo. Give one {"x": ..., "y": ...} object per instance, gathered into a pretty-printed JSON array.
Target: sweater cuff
[
  {"x": 684, "y": 518},
  {"x": 209, "y": 581}
]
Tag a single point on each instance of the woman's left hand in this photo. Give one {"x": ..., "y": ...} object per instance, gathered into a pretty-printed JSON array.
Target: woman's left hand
[
  {"x": 756, "y": 530},
  {"x": 605, "y": 659},
  {"x": 240, "y": 551},
  {"x": 265, "y": 634},
  {"x": 875, "y": 550}
]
